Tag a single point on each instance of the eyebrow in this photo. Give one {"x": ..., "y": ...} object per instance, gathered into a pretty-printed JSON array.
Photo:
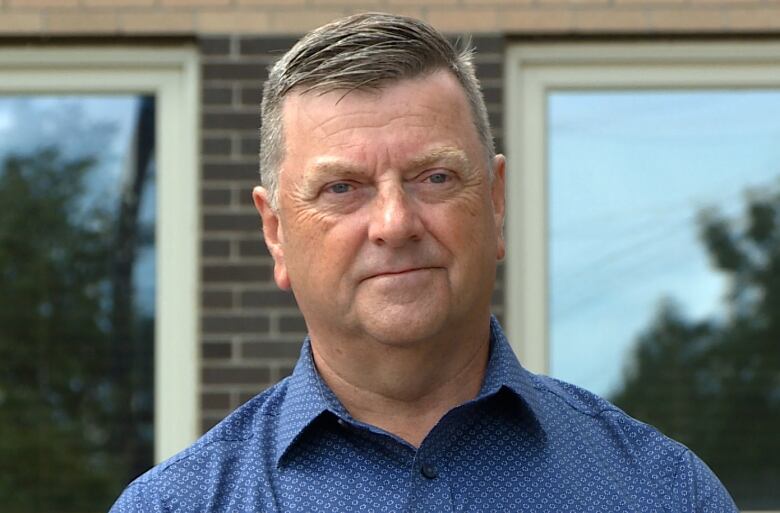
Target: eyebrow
[
  {"x": 445, "y": 154},
  {"x": 326, "y": 167}
]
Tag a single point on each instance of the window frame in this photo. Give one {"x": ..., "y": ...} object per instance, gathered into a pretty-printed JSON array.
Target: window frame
[
  {"x": 534, "y": 69},
  {"x": 172, "y": 76}
]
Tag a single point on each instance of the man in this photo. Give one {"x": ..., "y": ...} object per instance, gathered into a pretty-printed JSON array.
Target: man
[{"x": 383, "y": 206}]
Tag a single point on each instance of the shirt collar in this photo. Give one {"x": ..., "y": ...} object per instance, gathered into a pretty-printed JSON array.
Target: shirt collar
[
  {"x": 505, "y": 372},
  {"x": 308, "y": 397}
]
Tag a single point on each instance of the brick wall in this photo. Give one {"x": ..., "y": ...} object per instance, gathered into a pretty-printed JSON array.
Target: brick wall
[
  {"x": 297, "y": 16},
  {"x": 251, "y": 331}
]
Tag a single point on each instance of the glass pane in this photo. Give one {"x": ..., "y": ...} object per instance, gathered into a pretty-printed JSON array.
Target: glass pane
[
  {"x": 665, "y": 267},
  {"x": 77, "y": 289}
]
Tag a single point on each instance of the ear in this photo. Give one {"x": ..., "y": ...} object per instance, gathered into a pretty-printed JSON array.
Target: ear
[
  {"x": 497, "y": 193},
  {"x": 273, "y": 235}
]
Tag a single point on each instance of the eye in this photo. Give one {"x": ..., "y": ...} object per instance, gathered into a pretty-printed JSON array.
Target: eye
[
  {"x": 339, "y": 188},
  {"x": 438, "y": 177}
]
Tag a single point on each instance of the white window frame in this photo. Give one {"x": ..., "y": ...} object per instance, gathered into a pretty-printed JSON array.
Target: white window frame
[
  {"x": 532, "y": 71},
  {"x": 172, "y": 76}
]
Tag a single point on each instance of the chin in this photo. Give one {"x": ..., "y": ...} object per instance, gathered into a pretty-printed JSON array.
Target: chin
[{"x": 400, "y": 328}]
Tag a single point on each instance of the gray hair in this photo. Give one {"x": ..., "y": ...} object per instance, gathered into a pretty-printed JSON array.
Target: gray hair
[{"x": 363, "y": 51}]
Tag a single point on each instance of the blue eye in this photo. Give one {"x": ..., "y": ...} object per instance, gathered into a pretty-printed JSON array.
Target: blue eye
[
  {"x": 340, "y": 188},
  {"x": 438, "y": 178}
]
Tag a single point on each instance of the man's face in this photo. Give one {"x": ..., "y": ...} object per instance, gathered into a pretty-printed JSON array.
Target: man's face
[{"x": 388, "y": 224}]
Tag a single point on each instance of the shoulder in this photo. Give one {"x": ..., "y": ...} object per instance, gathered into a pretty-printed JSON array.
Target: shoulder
[
  {"x": 601, "y": 420},
  {"x": 191, "y": 474},
  {"x": 628, "y": 448}
]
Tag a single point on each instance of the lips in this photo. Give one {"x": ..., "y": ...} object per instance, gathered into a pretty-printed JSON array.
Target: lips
[{"x": 398, "y": 272}]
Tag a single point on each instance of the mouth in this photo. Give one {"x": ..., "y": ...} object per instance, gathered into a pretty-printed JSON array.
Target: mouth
[{"x": 400, "y": 272}]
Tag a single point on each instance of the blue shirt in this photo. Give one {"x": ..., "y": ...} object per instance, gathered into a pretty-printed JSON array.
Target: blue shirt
[{"x": 526, "y": 443}]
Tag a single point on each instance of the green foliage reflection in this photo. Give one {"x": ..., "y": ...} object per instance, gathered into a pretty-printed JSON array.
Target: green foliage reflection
[
  {"x": 60, "y": 404},
  {"x": 715, "y": 384}
]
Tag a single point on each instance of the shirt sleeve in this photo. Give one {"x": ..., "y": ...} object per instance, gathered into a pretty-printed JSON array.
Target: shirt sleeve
[
  {"x": 138, "y": 498},
  {"x": 698, "y": 490}
]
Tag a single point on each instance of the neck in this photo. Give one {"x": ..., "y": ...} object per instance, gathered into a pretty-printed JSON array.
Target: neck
[{"x": 405, "y": 390}]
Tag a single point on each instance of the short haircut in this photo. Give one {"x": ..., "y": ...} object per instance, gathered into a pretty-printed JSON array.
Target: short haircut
[{"x": 364, "y": 51}]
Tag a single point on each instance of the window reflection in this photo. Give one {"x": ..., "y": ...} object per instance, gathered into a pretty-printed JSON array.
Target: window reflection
[
  {"x": 76, "y": 300},
  {"x": 665, "y": 267}
]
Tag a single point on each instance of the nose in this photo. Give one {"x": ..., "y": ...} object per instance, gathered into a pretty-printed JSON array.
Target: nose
[{"x": 395, "y": 220}]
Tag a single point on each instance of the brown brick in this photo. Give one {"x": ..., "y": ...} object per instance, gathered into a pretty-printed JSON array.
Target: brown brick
[
  {"x": 364, "y": 4},
  {"x": 300, "y": 21},
  {"x": 489, "y": 69},
  {"x": 233, "y": 21},
  {"x": 158, "y": 22},
  {"x": 236, "y": 273},
  {"x": 470, "y": 20},
  {"x": 292, "y": 324},
  {"x": 649, "y": 2},
  {"x": 251, "y": 95},
  {"x": 194, "y": 3},
  {"x": 216, "y": 350},
  {"x": 686, "y": 19},
  {"x": 231, "y": 222},
  {"x": 489, "y": 44},
  {"x": 215, "y": 197},
  {"x": 236, "y": 323},
  {"x": 215, "y": 401},
  {"x": 247, "y": 396},
  {"x": 216, "y": 146},
  {"x": 612, "y": 19},
  {"x": 245, "y": 196},
  {"x": 230, "y": 171},
  {"x": 427, "y": 2},
  {"x": 117, "y": 3},
  {"x": 411, "y": 9},
  {"x": 238, "y": 375},
  {"x": 212, "y": 46},
  {"x": 231, "y": 120},
  {"x": 537, "y": 20},
  {"x": 499, "y": 143},
  {"x": 216, "y": 299},
  {"x": 273, "y": 46},
  {"x": 235, "y": 71},
  {"x": 284, "y": 371},
  {"x": 496, "y": 118},
  {"x": 209, "y": 421},
  {"x": 733, "y": 4},
  {"x": 250, "y": 146},
  {"x": 217, "y": 96},
  {"x": 253, "y": 247},
  {"x": 215, "y": 248},
  {"x": 270, "y": 2},
  {"x": 81, "y": 22},
  {"x": 493, "y": 94},
  {"x": 20, "y": 23},
  {"x": 762, "y": 19},
  {"x": 492, "y": 3},
  {"x": 35, "y": 4},
  {"x": 266, "y": 298},
  {"x": 270, "y": 349}
]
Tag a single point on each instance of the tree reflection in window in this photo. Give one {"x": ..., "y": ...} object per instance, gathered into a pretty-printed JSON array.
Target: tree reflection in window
[
  {"x": 76, "y": 331},
  {"x": 714, "y": 384}
]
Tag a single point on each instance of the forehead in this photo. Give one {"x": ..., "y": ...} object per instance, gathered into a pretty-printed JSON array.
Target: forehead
[{"x": 406, "y": 116}]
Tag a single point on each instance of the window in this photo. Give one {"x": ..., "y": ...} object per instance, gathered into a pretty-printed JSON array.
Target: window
[
  {"x": 644, "y": 239},
  {"x": 98, "y": 258}
]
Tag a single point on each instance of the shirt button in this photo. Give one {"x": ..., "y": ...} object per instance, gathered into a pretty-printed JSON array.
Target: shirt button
[{"x": 429, "y": 471}]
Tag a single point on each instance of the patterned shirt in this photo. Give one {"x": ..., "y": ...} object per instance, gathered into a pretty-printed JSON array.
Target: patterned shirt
[{"x": 526, "y": 443}]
